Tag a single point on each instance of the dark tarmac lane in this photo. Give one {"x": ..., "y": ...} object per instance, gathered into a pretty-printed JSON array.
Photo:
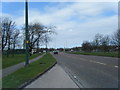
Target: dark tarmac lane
[{"x": 90, "y": 71}]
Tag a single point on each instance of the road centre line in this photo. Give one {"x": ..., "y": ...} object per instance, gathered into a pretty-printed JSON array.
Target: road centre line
[
  {"x": 116, "y": 66},
  {"x": 82, "y": 59},
  {"x": 93, "y": 61},
  {"x": 101, "y": 63},
  {"x": 97, "y": 62}
]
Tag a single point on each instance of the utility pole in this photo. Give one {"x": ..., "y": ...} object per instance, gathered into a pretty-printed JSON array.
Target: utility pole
[
  {"x": 66, "y": 44},
  {"x": 26, "y": 33},
  {"x": 46, "y": 42},
  {"x": 64, "y": 47}
]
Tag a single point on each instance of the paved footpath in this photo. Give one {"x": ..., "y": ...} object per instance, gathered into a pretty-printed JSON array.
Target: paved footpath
[
  {"x": 13, "y": 68},
  {"x": 54, "y": 78}
]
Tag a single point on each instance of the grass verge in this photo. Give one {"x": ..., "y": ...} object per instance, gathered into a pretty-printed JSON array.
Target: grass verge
[
  {"x": 12, "y": 60},
  {"x": 23, "y": 75},
  {"x": 108, "y": 54}
]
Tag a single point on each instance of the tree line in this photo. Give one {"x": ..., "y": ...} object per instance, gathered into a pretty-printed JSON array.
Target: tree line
[
  {"x": 13, "y": 37},
  {"x": 104, "y": 43}
]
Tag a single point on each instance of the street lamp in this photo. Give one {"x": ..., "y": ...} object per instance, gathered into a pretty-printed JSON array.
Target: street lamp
[
  {"x": 46, "y": 41},
  {"x": 26, "y": 33}
]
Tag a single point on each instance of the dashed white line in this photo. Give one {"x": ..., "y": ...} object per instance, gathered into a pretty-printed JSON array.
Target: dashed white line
[
  {"x": 75, "y": 76},
  {"x": 91, "y": 61},
  {"x": 97, "y": 62},
  {"x": 82, "y": 59},
  {"x": 101, "y": 63},
  {"x": 116, "y": 66}
]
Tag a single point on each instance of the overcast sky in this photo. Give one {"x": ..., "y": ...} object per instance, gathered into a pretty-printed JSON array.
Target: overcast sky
[{"x": 75, "y": 21}]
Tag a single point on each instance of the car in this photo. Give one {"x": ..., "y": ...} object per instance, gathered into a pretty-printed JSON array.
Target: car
[{"x": 55, "y": 52}]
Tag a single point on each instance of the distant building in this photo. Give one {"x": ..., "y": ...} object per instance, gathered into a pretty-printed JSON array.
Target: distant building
[{"x": 34, "y": 51}]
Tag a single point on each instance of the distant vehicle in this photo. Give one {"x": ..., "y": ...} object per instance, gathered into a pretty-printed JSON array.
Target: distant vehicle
[{"x": 55, "y": 52}]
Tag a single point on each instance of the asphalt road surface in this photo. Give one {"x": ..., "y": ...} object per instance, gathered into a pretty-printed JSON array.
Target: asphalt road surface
[{"x": 90, "y": 71}]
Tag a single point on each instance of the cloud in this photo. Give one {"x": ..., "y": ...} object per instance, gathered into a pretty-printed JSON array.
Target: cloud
[
  {"x": 75, "y": 21},
  {"x": 62, "y": 0}
]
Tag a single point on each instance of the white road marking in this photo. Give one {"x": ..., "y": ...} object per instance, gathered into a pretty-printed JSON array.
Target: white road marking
[
  {"x": 101, "y": 63},
  {"x": 116, "y": 66},
  {"x": 75, "y": 76},
  {"x": 82, "y": 59},
  {"x": 97, "y": 62},
  {"x": 91, "y": 61}
]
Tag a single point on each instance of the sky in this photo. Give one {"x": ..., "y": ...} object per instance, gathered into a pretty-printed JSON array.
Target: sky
[{"x": 75, "y": 21}]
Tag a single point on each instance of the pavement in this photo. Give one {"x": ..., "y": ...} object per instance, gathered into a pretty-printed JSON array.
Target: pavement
[
  {"x": 54, "y": 78},
  {"x": 15, "y": 67},
  {"x": 90, "y": 71}
]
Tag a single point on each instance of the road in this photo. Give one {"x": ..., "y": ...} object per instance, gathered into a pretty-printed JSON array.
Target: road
[{"x": 90, "y": 71}]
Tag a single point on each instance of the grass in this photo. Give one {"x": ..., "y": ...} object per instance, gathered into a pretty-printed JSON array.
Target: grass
[
  {"x": 12, "y": 60},
  {"x": 22, "y": 75},
  {"x": 108, "y": 54}
]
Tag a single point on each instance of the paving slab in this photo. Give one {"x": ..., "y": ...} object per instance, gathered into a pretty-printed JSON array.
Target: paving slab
[{"x": 54, "y": 78}]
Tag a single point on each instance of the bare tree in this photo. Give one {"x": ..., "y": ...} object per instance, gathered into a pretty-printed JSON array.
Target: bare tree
[
  {"x": 97, "y": 41},
  {"x": 4, "y": 33},
  {"x": 116, "y": 41},
  {"x": 8, "y": 26},
  {"x": 38, "y": 35},
  {"x": 0, "y": 39},
  {"x": 86, "y": 46},
  {"x": 49, "y": 30},
  {"x": 15, "y": 38},
  {"x": 116, "y": 38},
  {"x": 105, "y": 43},
  {"x": 35, "y": 33}
]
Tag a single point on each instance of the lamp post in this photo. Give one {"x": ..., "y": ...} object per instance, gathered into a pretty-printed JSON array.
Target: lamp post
[
  {"x": 46, "y": 41},
  {"x": 26, "y": 33}
]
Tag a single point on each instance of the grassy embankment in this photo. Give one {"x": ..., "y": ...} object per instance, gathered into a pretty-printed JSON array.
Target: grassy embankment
[
  {"x": 108, "y": 54},
  {"x": 26, "y": 73},
  {"x": 17, "y": 58}
]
